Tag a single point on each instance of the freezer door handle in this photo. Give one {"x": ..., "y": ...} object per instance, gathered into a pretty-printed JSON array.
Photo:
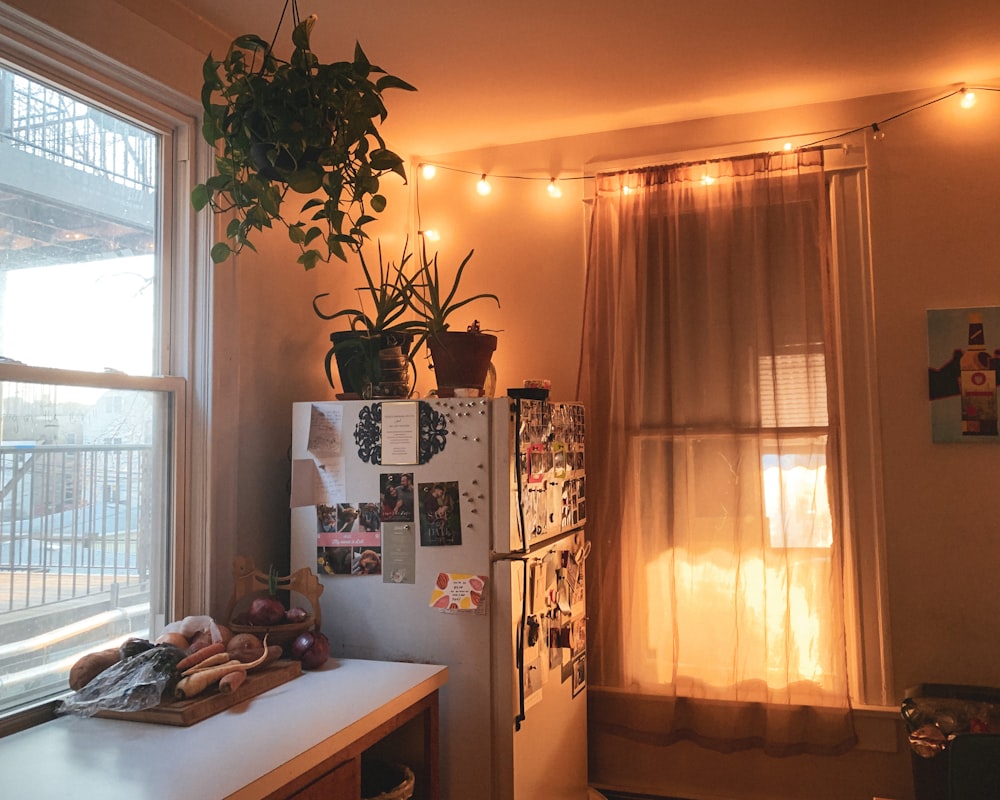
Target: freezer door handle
[{"x": 519, "y": 649}]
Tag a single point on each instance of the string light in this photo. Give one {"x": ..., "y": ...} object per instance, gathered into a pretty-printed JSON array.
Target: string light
[
  {"x": 430, "y": 235},
  {"x": 967, "y": 100},
  {"x": 707, "y": 180}
]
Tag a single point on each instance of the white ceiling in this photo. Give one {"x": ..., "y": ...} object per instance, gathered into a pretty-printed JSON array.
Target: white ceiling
[{"x": 524, "y": 70}]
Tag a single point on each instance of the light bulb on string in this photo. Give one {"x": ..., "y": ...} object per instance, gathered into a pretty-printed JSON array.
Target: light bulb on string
[
  {"x": 788, "y": 147},
  {"x": 554, "y": 191},
  {"x": 707, "y": 180},
  {"x": 430, "y": 235},
  {"x": 483, "y": 187},
  {"x": 877, "y": 133},
  {"x": 968, "y": 99},
  {"x": 428, "y": 171}
]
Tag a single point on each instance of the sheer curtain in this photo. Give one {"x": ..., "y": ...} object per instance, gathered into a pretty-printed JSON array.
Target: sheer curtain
[{"x": 716, "y": 603}]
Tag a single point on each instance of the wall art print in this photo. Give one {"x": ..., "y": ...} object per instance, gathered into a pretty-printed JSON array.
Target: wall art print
[{"x": 964, "y": 351}]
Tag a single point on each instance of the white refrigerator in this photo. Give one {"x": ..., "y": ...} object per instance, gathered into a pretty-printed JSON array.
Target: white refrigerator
[{"x": 450, "y": 531}]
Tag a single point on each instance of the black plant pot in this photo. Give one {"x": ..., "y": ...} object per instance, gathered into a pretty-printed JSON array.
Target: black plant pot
[
  {"x": 283, "y": 163},
  {"x": 359, "y": 365}
]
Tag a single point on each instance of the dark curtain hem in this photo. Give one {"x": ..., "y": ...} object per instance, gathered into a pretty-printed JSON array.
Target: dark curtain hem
[{"x": 724, "y": 727}]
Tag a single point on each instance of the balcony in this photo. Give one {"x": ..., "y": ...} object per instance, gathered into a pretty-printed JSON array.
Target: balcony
[{"x": 75, "y": 560}]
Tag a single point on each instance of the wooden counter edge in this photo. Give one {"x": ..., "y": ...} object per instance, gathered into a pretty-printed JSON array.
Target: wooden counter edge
[{"x": 350, "y": 742}]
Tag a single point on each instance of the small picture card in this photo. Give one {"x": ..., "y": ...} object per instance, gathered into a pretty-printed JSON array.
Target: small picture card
[{"x": 456, "y": 591}]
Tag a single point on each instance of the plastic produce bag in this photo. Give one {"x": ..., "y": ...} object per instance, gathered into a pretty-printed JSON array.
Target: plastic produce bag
[
  {"x": 189, "y": 627},
  {"x": 130, "y": 685},
  {"x": 936, "y": 713}
]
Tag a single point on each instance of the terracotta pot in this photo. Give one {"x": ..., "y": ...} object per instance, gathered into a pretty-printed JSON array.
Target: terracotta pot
[{"x": 461, "y": 359}]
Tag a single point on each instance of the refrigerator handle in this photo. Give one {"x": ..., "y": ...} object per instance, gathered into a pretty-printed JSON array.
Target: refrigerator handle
[
  {"x": 519, "y": 647},
  {"x": 518, "y": 476}
]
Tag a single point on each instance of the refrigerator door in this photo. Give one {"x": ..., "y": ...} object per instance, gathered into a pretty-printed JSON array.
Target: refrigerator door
[
  {"x": 540, "y": 703},
  {"x": 344, "y": 455},
  {"x": 541, "y": 469}
]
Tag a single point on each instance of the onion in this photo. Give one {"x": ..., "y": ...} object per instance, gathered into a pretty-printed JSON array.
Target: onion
[
  {"x": 296, "y": 614},
  {"x": 266, "y": 611},
  {"x": 312, "y": 648}
]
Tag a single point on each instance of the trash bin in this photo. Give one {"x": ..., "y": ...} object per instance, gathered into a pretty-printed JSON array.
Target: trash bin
[{"x": 937, "y": 715}]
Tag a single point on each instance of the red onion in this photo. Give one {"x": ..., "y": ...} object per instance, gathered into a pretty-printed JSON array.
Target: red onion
[
  {"x": 266, "y": 611},
  {"x": 312, "y": 648}
]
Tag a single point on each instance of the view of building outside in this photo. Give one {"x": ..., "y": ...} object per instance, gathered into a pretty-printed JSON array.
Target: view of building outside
[{"x": 83, "y": 522}]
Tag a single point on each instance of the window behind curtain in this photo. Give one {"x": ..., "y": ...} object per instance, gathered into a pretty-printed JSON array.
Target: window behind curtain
[
  {"x": 86, "y": 425},
  {"x": 706, "y": 367}
]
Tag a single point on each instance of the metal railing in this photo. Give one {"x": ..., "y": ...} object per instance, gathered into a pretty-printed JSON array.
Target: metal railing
[
  {"x": 73, "y": 522},
  {"x": 53, "y": 125},
  {"x": 74, "y": 560}
]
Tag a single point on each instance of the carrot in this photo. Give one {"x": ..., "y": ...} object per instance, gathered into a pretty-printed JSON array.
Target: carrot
[
  {"x": 195, "y": 658},
  {"x": 197, "y": 682},
  {"x": 232, "y": 681},
  {"x": 274, "y": 652},
  {"x": 212, "y": 661}
]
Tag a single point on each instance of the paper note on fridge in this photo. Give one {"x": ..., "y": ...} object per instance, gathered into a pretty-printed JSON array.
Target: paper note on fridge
[
  {"x": 317, "y": 483},
  {"x": 325, "y": 430},
  {"x": 457, "y": 591}
]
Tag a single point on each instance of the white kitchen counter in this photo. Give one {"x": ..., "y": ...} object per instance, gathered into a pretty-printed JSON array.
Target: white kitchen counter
[{"x": 247, "y": 751}]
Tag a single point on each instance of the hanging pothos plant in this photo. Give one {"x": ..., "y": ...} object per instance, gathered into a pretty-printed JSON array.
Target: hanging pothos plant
[{"x": 295, "y": 126}]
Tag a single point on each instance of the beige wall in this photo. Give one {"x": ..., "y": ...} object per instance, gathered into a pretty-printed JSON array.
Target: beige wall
[{"x": 934, "y": 244}]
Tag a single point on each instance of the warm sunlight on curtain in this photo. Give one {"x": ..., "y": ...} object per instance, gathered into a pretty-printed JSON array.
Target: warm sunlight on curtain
[{"x": 717, "y": 611}]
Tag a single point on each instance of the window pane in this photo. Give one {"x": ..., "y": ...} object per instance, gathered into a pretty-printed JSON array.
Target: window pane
[
  {"x": 85, "y": 489},
  {"x": 78, "y": 233},
  {"x": 83, "y": 529}
]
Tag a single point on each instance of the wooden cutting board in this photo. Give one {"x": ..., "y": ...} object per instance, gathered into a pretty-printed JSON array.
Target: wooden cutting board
[{"x": 188, "y": 712}]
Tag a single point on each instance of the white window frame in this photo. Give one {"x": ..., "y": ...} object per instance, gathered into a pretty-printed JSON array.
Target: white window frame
[{"x": 185, "y": 338}]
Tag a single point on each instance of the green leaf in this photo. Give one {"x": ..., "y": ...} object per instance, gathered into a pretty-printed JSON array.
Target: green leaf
[
  {"x": 250, "y": 41},
  {"x": 200, "y": 197},
  {"x": 220, "y": 252},
  {"x": 309, "y": 259},
  {"x": 382, "y": 159},
  {"x": 392, "y": 82},
  {"x": 305, "y": 181},
  {"x": 300, "y": 36},
  {"x": 362, "y": 66}
]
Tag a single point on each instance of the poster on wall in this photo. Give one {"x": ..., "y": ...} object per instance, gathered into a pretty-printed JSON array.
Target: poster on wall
[{"x": 964, "y": 351}]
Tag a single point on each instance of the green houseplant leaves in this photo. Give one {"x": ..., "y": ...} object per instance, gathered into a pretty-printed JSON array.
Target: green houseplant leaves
[{"x": 296, "y": 126}]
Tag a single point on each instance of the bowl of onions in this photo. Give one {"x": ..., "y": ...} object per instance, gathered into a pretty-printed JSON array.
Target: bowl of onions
[{"x": 268, "y": 604}]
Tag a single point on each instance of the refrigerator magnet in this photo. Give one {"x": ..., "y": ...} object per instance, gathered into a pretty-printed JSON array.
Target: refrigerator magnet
[{"x": 458, "y": 591}]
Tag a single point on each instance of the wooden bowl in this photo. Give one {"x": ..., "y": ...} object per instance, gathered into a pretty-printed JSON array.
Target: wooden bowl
[{"x": 250, "y": 583}]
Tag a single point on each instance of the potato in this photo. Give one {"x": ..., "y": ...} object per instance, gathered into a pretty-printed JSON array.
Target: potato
[
  {"x": 176, "y": 639},
  {"x": 90, "y": 666},
  {"x": 245, "y": 647}
]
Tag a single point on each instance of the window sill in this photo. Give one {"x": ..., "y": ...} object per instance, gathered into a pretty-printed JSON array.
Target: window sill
[{"x": 878, "y": 728}]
